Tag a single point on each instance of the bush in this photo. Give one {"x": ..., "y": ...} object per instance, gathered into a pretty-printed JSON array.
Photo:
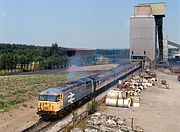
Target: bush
[
  {"x": 3, "y": 106},
  {"x": 14, "y": 102},
  {"x": 92, "y": 107},
  {"x": 74, "y": 114}
]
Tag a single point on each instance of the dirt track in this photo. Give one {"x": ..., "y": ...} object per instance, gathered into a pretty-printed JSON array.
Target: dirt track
[{"x": 159, "y": 110}]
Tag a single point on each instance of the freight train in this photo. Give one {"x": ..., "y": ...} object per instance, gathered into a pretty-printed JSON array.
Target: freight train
[{"x": 52, "y": 102}]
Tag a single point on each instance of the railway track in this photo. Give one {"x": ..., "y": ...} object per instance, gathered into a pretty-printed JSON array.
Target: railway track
[{"x": 40, "y": 126}]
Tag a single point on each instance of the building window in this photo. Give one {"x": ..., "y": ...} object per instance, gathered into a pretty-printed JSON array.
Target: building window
[
  {"x": 144, "y": 52},
  {"x": 132, "y": 52}
]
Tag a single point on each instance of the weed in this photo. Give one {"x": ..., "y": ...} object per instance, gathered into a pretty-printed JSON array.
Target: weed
[
  {"x": 34, "y": 86},
  {"x": 3, "y": 107},
  {"x": 24, "y": 105},
  {"x": 14, "y": 102},
  {"x": 1, "y": 96},
  {"x": 92, "y": 106},
  {"x": 69, "y": 128},
  {"x": 19, "y": 91},
  {"x": 35, "y": 94},
  {"x": 81, "y": 125},
  {"x": 31, "y": 107},
  {"x": 74, "y": 114}
]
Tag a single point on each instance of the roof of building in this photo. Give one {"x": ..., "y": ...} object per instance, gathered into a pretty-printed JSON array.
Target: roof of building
[{"x": 77, "y": 49}]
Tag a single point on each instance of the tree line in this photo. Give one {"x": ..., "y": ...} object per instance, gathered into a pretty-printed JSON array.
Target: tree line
[
  {"x": 30, "y": 57},
  {"x": 18, "y": 57}
]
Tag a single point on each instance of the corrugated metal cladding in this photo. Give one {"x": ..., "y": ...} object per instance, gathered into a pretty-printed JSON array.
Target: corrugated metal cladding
[{"x": 142, "y": 37}]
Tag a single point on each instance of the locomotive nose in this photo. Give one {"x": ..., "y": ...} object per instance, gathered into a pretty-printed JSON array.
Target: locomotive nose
[{"x": 44, "y": 106}]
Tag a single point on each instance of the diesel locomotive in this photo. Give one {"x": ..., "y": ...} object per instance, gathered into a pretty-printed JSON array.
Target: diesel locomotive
[{"x": 53, "y": 101}]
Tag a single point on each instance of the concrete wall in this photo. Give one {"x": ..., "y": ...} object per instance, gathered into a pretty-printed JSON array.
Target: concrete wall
[
  {"x": 142, "y": 37},
  {"x": 142, "y": 10},
  {"x": 157, "y": 8}
]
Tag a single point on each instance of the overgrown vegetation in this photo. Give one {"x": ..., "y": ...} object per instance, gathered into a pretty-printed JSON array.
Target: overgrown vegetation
[
  {"x": 92, "y": 106},
  {"x": 16, "y": 90}
]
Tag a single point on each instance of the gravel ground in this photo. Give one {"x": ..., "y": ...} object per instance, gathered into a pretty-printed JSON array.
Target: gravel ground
[{"x": 159, "y": 110}]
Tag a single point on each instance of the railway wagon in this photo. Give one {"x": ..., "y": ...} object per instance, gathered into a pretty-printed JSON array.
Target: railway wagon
[
  {"x": 109, "y": 78},
  {"x": 102, "y": 80}
]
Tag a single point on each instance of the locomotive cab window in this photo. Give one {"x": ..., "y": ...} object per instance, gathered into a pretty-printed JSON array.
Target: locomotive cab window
[
  {"x": 59, "y": 97},
  {"x": 47, "y": 98}
]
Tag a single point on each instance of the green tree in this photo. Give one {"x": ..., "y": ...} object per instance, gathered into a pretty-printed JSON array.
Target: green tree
[
  {"x": 15, "y": 61},
  {"x": 54, "y": 49},
  {"x": 1, "y": 62},
  {"x": 22, "y": 61}
]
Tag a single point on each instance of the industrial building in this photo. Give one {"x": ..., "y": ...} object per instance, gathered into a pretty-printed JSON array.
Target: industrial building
[
  {"x": 174, "y": 52},
  {"x": 79, "y": 52},
  {"x": 146, "y": 35}
]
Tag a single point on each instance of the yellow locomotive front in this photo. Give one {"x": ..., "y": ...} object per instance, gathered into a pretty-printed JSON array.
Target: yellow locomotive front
[{"x": 49, "y": 105}]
